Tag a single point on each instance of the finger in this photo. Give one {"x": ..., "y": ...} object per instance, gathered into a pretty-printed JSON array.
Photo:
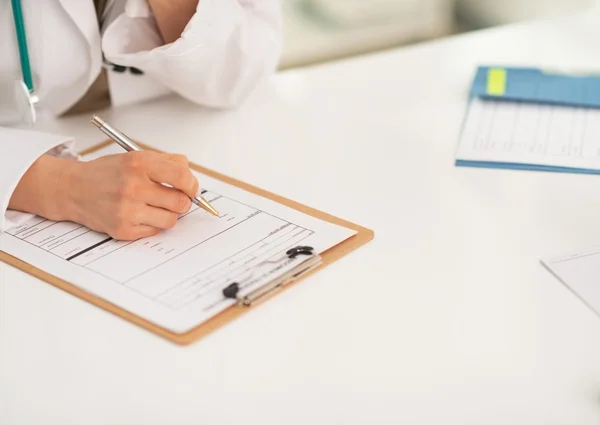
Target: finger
[
  {"x": 175, "y": 173},
  {"x": 167, "y": 198},
  {"x": 156, "y": 217},
  {"x": 143, "y": 231},
  {"x": 178, "y": 158},
  {"x": 133, "y": 233}
]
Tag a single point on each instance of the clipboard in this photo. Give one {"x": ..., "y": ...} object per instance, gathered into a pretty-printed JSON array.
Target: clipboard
[{"x": 362, "y": 236}]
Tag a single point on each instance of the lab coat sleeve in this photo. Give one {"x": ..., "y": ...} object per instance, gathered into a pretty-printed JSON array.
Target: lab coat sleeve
[
  {"x": 226, "y": 49},
  {"x": 19, "y": 149}
]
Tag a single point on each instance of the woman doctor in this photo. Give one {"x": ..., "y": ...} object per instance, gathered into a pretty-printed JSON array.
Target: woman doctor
[{"x": 213, "y": 52}]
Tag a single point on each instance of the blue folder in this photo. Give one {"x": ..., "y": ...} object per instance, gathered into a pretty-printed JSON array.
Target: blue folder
[
  {"x": 531, "y": 85},
  {"x": 538, "y": 86}
]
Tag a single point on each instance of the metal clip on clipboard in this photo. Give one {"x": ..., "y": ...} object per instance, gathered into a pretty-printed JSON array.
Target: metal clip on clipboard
[{"x": 309, "y": 263}]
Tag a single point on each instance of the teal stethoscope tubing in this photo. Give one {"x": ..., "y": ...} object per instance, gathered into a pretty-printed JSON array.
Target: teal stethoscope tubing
[
  {"x": 22, "y": 41},
  {"x": 24, "y": 96}
]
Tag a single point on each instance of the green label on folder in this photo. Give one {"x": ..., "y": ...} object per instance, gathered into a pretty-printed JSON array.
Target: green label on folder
[{"x": 496, "y": 82}]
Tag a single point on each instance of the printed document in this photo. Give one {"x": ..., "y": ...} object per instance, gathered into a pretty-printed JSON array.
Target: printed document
[
  {"x": 175, "y": 279},
  {"x": 531, "y": 134},
  {"x": 580, "y": 272}
]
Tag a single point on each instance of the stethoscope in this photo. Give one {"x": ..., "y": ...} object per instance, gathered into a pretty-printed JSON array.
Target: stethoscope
[{"x": 25, "y": 97}]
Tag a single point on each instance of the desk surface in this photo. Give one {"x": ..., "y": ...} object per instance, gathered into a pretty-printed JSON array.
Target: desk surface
[{"x": 447, "y": 317}]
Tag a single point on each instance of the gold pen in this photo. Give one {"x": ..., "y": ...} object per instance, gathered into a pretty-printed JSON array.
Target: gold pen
[{"x": 128, "y": 144}]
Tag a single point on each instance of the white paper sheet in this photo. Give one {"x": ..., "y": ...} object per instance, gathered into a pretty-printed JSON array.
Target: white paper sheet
[
  {"x": 522, "y": 133},
  {"x": 580, "y": 272},
  {"x": 175, "y": 279}
]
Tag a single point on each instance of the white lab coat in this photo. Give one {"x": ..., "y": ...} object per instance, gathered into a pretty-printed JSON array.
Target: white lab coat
[{"x": 227, "y": 47}]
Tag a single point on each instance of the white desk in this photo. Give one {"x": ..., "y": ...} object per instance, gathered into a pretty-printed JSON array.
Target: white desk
[{"x": 445, "y": 318}]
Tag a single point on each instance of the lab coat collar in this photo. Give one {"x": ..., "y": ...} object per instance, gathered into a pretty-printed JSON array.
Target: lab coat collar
[{"x": 83, "y": 15}]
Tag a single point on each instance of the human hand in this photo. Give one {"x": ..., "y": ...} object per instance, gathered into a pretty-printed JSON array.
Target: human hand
[{"x": 122, "y": 195}]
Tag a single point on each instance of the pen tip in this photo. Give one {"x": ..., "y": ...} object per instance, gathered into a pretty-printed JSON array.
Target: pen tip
[
  {"x": 213, "y": 211},
  {"x": 205, "y": 205}
]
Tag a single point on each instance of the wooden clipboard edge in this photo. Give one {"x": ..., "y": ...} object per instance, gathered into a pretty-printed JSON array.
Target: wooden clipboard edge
[{"x": 362, "y": 236}]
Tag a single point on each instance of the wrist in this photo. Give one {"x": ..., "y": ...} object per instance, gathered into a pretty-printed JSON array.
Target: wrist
[
  {"x": 55, "y": 177},
  {"x": 45, "y": 188},
  {"x": 66, "y": 190}
]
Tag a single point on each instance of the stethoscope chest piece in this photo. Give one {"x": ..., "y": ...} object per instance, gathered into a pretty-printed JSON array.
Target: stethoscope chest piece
[{"x": 25, "y": 102}]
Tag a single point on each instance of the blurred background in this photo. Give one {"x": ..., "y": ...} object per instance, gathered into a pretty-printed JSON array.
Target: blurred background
[{"x": 323, "y": 30}]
